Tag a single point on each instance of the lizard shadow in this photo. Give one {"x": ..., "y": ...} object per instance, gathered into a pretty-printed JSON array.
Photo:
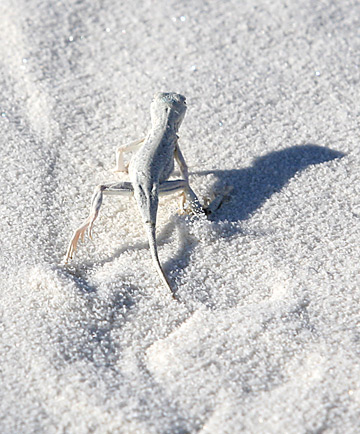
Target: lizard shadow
[
  {"x": 252, "y": 186},
  {"x": 268, "y": 175}
]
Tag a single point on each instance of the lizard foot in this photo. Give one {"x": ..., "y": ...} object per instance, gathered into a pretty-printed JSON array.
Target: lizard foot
[
  {"x": 80, "y": 234},
  {"x": 217, "y": 199}
]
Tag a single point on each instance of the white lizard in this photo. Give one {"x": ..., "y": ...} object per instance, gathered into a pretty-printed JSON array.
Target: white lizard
[{"x": 149, "y": 170}]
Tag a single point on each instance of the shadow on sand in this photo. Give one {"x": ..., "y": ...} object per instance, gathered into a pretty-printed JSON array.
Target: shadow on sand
[
  {"x": 268, "y": 175},
  {"x": 251, "y": 188}
]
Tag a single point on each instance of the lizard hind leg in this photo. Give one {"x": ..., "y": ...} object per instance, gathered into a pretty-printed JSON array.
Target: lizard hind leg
[
  {"x": 187, "y": 195},
  {"x": 87, "y": 224},
  {"x": 119, "y": 189}
]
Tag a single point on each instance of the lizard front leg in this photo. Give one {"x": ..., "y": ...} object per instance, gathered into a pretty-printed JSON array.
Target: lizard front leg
[
  {"x": 181, "y": 162},
  {"x": 188, "y": 193},
  {"x": 170, "y": 187},
  {"x": 132, "y": 146}
]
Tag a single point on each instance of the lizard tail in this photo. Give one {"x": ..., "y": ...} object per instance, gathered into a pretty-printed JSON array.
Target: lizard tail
[{"x": 151, "y": 231}]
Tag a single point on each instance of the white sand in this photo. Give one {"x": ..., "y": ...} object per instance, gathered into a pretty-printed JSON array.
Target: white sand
[{"x": 266, "y": 337}]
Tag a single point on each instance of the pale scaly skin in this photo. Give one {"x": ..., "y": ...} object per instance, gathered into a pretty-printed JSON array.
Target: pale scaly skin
[{"x": 149, "y": 171}]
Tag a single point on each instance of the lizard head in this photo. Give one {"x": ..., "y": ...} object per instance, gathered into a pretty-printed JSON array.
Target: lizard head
[{"x": 170, "y": 106}]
